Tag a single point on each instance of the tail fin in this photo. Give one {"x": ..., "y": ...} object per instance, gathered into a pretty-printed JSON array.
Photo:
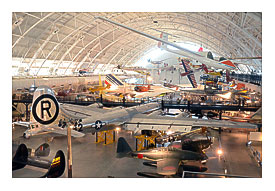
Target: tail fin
[
  {"x": 163, "y": 36},
  {"x": 123, "y": 148},
  {"x": 113, "y": 80},
  {"x": 20, "y": 158},
  {"x": 228, "y": 63},
  {"x": 45, "y": 107},
  {"x": 57, "y": 166}
]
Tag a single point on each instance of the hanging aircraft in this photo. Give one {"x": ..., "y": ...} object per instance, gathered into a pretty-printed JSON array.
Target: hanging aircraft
[
  {"x": 22, "y": 157},
  {"x": 163, "y": 42},
  {"x": 32, "y": 88},
  {"x": 189, "y": 73},
  {"x": 168, "y": 158}
]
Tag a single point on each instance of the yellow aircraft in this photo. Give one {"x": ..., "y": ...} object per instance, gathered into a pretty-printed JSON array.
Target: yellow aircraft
[
  {"x": 100, "y": 87},
  {"x": 214, "y": 73}
]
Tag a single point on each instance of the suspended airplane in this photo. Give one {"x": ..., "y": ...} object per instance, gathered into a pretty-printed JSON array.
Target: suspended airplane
[
  {"x": 163, "y": 42},
  {"x": 21, "y": 158},
  {"x": 32, "y": 88},
  {"x": 189, "y": 73}
]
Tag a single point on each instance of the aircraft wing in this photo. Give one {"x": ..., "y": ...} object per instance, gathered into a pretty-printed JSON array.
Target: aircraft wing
[
  {"x": 22, "y": 123},
  {"x": 143, "y": 122},
  {"x": 181, "y": 124},
  {"x": 63, "y": 131},
  {"x": 182, "y": 51},
  {"x": 192, "y": 80},
  {"x": 78, "y": 111},
  {"x": 191, "y": 76},
  {"x": 201, "y": 92},
  {"x": 167, "y": 166}
]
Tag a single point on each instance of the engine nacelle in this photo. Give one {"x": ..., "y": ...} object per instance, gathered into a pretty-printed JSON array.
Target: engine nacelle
[{"x": 26, "y": 135}]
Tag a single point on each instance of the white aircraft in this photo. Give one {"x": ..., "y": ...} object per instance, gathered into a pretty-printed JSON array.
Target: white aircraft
[
  {"x": 163, "y": 42},
  {"x": 47, "y": 115}
]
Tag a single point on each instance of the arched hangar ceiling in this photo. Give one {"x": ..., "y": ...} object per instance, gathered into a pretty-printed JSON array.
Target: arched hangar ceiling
[{"x": 68, "y": 41}]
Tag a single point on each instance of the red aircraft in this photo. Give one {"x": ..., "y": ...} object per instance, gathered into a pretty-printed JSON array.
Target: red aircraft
[{"x": 141, "y": 88}]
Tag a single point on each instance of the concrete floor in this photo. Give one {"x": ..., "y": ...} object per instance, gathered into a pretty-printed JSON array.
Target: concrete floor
[{"x": 96, "y": 160}]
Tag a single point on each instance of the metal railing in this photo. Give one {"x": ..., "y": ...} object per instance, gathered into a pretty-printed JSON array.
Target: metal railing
[{"x": 251, "y": 78}]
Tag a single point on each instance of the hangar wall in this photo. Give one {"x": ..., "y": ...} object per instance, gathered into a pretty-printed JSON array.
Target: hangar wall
[{"x": 65, "y": 81}]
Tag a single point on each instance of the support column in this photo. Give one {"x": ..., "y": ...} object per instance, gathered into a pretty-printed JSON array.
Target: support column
[
  {"x": 123, "y": 100},
  {"x": 27, "y": 112},
  {"x": 114, "y": 136},
  {"x": 69, "y": 153},
  {"x": 101, "y": 99},
  {"x": 220, "y": 118}
]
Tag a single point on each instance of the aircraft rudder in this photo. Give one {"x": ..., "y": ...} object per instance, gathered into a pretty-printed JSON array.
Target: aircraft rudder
[
  {"x": 123, "y": 148},
  {"x": 113, "y": 80},
  {"x": 20, "y": 158},
  {"x": 45, "y": 107},
  {"x": 57, "y": 166},
  {"x": 163, "y": 36}
]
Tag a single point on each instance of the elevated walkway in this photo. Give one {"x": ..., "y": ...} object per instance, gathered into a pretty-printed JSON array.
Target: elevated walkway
[
  {"x": 198, "y": 107},
  {"x": 250, "y": 78}
]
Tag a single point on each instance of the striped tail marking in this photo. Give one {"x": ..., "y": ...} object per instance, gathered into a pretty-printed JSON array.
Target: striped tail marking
[{"x": 111, "y": 79}]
